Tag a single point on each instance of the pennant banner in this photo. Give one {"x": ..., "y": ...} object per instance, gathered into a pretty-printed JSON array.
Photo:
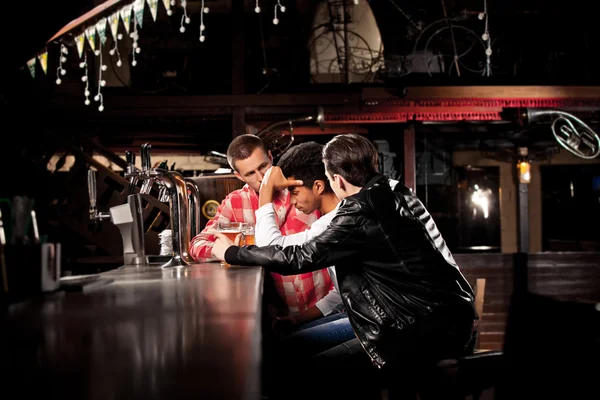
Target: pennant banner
[
  {"x": 31, "y": 66},
  {"x": 167, "y": 4},
  {"x": 138, "y": 11},
  {"x": 153, "y": 4},
  {"x": 43, "y": 57},
  {"x": 113, "y": 20},
  {"x": 126, "y": 16},
  {"x": 80, "y": 42},
  {"x": 90, "y": 33},
  {"x": 101, "y": 29}
]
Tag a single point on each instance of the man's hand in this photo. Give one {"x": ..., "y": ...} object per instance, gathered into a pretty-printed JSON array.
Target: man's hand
[
  {"x": 221, "y": 245},
  {"x": 272, "y": 181},
  {"x": 276, "y": 180}
]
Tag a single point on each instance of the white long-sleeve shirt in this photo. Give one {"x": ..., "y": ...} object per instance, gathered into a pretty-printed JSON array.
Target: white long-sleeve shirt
[{"x": 267, "y": 234}]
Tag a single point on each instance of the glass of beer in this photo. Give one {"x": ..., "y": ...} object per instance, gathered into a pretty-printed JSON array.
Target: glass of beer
[
  {"x": 231, "y": 230},
  {"x": 247, "y": 234}
]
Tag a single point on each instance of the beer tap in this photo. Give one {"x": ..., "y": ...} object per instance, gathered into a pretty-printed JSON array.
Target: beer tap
[
  {"x": 176, "y": 189},
  {"x": 163, "y": 195},
  {"x": 95, "y": 215},
  {"x": 128, "y": 218},
  {"x": 146, "y": 167},
  {"x": 131, "y": 173}
]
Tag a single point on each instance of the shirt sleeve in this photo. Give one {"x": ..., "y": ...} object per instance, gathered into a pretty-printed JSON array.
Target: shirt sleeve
[
  {"x": 328, "y": 303},
  {"x": 201, "y": 245},
  {"x": 267, "y": 232}
]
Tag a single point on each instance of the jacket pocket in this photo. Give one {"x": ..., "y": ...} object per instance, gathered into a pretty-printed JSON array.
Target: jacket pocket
[{"x": 379, "y": 312}]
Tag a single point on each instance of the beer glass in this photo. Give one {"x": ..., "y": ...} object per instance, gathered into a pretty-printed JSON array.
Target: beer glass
[
  {"x": 247, "y": 230},
  {"x": 231, "y": 230}
]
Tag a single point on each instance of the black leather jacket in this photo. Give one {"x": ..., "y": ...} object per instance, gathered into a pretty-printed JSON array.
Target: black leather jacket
[{"x": 392, "y": 264}]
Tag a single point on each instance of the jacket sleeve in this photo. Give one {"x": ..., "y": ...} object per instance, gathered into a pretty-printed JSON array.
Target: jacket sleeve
[{"x": 343, "y": 240}]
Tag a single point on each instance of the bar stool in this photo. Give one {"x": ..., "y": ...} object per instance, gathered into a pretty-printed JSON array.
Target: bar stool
[{"x": 453, "y": 379}]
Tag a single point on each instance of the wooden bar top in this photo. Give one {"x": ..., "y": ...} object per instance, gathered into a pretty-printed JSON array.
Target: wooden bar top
[{"x": 149, "y": 333}]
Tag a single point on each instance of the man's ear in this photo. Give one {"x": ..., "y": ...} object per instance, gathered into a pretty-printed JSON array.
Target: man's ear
[
  {"x": 237, "y": 175},
  {"x": 319, "y": 187},
  {"x": 270, "y": 156},
  {"x": 341, "y": 182}
]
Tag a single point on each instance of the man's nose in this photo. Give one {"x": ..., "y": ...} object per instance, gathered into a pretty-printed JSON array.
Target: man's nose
[{"x": 260, "y": 176}]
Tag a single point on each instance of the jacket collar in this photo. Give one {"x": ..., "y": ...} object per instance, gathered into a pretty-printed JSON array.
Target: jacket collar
[{"x": 374, "y": 180}]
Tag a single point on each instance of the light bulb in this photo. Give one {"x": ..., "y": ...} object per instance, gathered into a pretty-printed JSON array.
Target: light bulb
[
  {"x": 63, "y": 71},
  {"x": 103, "y": 83},
  {"x": 119, "y": 36},
  {"x": 137, "y": 50},
  {"x": 63, "y": 59},
  {"x": 257, "y": 9},
  {"x": 65, "y": 50},
  {"x": 182, "y": 29},
  {"x": 202, "y": 27},
  {"x": 488, "y": 51},
  {"x": 97, "y": 52},
  {"x": 275, "y": 21},
  {"x": 133, "y": 63},
  {"x": 485, "y": 36},
  {"x": 481, "y": 16},
  {"x": 87, "y": 102},
  {"x": 82, "y": 65},
  {"x": 96, "y": 97},
  {"x": 58, "y": 81},
  {"x": 104, "y": 67},
  {"x": 119, "y": 63},
  {"x": 101, "y": 108},
  {"x": 112, "y": 52},
  {"x": 83, "y": 78},
  {"x": 172, "y": 2},
  {"x": 87, "y": 93},
  {"x": 183, "y": 3},
  {"x": 206, "y": 10},
  {"x": 202, "y": 38},
  {"x": 169, "y": 13},
  {"x": 187, "y": 20},
  {"x": 282, "y": 8}
]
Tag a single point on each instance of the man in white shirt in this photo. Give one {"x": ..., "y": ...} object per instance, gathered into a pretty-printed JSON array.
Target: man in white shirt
[{"x": 322, "y": 325}]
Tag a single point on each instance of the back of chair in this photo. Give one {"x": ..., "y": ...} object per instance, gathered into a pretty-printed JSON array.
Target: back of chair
[{"x": 479, "y": 299}]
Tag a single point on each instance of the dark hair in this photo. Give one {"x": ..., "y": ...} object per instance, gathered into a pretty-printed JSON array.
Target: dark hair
[
  {"x": 352, "y": 156},
  {"x": 242, "y": 147},
  {"x": 305, "y": 162}
]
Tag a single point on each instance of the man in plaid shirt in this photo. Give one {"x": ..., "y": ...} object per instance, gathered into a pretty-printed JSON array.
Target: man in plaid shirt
[{"x": 249, "y": 159}]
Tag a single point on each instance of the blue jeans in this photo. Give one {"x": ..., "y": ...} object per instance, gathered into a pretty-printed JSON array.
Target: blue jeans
[{"x": 319, "y": 335}]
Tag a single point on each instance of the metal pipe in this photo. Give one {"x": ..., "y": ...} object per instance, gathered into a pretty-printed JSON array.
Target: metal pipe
[
  {"x": 194, "y": 206},
  {"x": 177, "y": 191}
]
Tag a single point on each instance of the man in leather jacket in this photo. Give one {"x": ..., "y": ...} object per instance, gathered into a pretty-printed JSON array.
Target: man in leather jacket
[{"x": 405, "y": 297}]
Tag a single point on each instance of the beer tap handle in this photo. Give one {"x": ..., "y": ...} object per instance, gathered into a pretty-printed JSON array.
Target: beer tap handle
[
  {"x": 92, "y": 191},
  {"x": 130, "y": 157},
  {"x": 146, "y": 157}
]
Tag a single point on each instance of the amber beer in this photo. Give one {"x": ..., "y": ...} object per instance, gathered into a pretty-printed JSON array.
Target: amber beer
[
  {"x": 248, "y": 234},
  {"x": 248, "y": 240},
  {"x": 231, "y": 233}
]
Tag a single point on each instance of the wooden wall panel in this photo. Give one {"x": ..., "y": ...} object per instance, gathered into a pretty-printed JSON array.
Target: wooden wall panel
[{"x": 567, "y": 276}]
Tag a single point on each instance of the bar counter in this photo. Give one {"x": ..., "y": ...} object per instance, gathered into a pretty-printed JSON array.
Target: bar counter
[{"x": 139, "y": 333}]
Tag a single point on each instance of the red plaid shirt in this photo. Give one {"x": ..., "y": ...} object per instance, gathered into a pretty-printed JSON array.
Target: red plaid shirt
[{"x": 299, "y": 291}]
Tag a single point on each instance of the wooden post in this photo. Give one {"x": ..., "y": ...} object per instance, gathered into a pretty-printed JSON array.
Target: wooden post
[{"x": 410, "y": 170}]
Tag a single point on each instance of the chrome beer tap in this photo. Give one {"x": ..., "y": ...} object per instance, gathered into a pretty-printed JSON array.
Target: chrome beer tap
[
  {"x": 128, "y": 218},
  {"x": 176, "y": 188},
  {"x": 131, "y": 173},
  {"x": 95, "y": 215}
]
